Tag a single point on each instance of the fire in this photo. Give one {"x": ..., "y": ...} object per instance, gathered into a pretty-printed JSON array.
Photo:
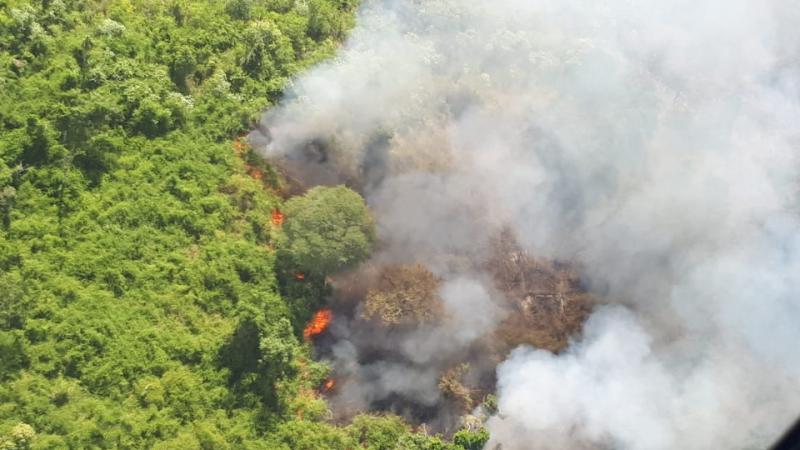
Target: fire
[
  {"x": 299, "y": 276},
  {"x": 254, "y": 172},
  {"x": 329, "y": 384},
  {"x": 277, "y": 217},
  {"x": 318, "y": 323},
  {"x": 238, "y": 146}
]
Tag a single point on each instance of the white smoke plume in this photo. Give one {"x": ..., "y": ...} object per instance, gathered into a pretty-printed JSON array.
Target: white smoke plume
[{"x": 653, "y": 143}]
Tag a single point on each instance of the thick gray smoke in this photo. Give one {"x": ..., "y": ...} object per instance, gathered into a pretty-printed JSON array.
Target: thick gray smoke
[
  {"x": 405, "y": 372},
  {"x": 651, "y": 142}
]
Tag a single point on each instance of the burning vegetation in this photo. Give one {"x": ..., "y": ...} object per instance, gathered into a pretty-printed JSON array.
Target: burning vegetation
[
  {"x": 406, "y": 321},
  {"x": 423, "y": 318},
  {"x": 422, "y": 338},
  {"x": 511, "y": 166},
  {"x": 277, "y": 217},
  {"x": 318, "y": 324}
]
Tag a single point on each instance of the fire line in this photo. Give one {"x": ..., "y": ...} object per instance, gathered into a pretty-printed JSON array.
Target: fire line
[{"x": 318, "y": 323}]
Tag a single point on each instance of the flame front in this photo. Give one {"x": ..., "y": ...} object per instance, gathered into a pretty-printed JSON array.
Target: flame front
[
  {"x": 318, "y": 323},
  {"x": 254, "y": 172},
  {"x": 277, "y": 217},
  {"x": 238, "y": 146},
  {"x": 329, "y": 384}
]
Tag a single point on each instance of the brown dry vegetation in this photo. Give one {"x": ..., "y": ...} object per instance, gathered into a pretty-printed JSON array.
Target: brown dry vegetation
[
  {"x": 404, "y": 295},
  {"x": 545, "y": 301},
  {"x": 454, "y": 388},
  {"x": 550, "y": 302}
]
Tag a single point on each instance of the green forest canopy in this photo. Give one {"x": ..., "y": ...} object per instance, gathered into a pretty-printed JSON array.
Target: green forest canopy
[{"x": 140, "y": 304}]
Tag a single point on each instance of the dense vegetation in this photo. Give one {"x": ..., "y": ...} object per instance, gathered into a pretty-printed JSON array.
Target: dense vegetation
[
  {"x": 331, "y": 230},
  {"x": 142, "y": 304}
]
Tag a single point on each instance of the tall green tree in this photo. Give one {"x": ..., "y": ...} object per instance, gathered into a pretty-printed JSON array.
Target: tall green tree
[{"x": 328, "y": 229}]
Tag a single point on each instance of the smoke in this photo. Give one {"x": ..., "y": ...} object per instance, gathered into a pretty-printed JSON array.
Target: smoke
[
  {"x": 651, "y": 143},
  {"x": 400, "y": 368}
]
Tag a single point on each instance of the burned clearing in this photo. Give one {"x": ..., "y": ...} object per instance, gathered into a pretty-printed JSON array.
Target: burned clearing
[{"x": 392, "y": 319}]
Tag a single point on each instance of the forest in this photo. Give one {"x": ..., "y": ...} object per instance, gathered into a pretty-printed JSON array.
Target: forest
[{"x": 151, "y": 294}]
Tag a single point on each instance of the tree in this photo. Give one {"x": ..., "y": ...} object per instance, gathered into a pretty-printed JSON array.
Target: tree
[
  {"x": 377, "y": 432},
  {"x": 419, "y": 441},
  {"x": 404, "y": 295},
  {"x": 471, "y": 440},
  {"x": 327, "y": 230},
  {"x": 239, "y": 9},
  {"x": 452, "y": 385},
  {"x": 305, "y": 435},
  {"x": 19, "y": 438}
]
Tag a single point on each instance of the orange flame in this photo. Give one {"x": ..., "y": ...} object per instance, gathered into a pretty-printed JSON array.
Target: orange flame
[
  {"x": 299, "y": 276},
  {"x": 329, "y": 384},
  {"x": 318, "y": 323},
  {"x": 277, "y": 217},
  {"x": 238, "y": 146},
  {"x": 254, "y": 172}
]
